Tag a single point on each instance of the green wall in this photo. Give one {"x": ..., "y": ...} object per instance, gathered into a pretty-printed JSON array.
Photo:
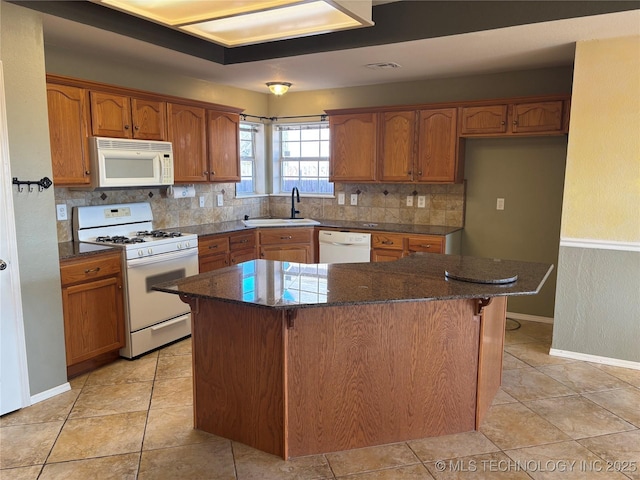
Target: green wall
[{"x": 529, "y": 174}]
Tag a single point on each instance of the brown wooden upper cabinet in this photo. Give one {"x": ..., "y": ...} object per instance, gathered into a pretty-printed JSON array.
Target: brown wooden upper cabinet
[
  {"x": 397, "y": 146},
  {"x": 353, "y": 147},
  {"x": 68, "y": 133},
  {"x": 121, "y": 116},
  {"x": 437, "y": 158},
  {"x": 188, "y": 134},
  {"x": 411, "y": 146},
  {"x": 223, "y": 133},
  {"x": 518, "y": 118}
]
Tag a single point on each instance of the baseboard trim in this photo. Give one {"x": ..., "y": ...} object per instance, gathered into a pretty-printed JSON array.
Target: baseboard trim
[
  {"x": 600, "y": 244},
  {"x": 529, "y": 318},
  {"x": 615, "y": 362},
  {"x": 52, "y": 392}
]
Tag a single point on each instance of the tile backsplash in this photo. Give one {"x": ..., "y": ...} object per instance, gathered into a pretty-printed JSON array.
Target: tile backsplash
[{"x": 444, "y": 205}]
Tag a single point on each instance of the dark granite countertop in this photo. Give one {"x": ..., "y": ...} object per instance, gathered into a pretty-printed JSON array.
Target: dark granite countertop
[
  {"x": 67, "y": 250},
  {"x": 418, "y": 277},
  {"x": 234, "y": 226}
]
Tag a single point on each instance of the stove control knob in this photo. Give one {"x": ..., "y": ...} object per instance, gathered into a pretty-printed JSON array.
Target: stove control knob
[
  {"x": 187, "y": 244},
  {"x": 140, "y": 253},
  {"x": 149, "y": 251},
  {"x": 179, "y": 246}
]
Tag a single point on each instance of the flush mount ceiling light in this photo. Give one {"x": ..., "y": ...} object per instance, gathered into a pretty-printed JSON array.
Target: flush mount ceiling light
[
  {"x": 245, "y": 22},
  {"x": 278, "y": 88}
]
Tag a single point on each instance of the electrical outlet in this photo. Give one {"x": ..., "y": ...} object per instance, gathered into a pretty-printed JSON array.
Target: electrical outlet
[
  {"x": 500, "y": 204},
  {"x": 201, "y": 201},
  {"x": 422, "y": 201},
  {"x": 220, "y": 199},
  {"x": 409, "y": 201},
  {"x": 354, "y": 199},
  {"x": 341, "y": 199},
  {"x": 61, "y": 211}
]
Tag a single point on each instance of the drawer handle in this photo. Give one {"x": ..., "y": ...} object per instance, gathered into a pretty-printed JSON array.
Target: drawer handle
[
  {"x": 213, "y": 246},
  {"x": 425, "y": 246},
  {"x": 286, "y": 237},
  {"x": 387, "y": 242},
  {"x": 92, "y": 270},
  {"x": 244, "y": 241}
]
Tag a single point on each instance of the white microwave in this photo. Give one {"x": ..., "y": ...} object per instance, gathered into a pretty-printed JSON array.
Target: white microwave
[{"x": 120, "y": 162}]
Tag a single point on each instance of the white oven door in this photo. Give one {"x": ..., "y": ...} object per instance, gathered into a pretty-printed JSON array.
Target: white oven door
[{"x": 148, "y": 307}]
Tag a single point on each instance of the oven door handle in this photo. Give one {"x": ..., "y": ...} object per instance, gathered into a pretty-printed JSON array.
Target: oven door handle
[{"x": 162, "y": 257}]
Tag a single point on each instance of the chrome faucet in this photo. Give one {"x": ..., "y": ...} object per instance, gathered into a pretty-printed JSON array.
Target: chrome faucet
[{"x": 295, "y": 191}]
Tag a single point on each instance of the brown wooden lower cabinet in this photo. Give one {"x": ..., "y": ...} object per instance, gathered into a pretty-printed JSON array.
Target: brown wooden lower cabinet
[
  {"x": 92, "y": 302},
  {"x": 219, "y": 251},
  {"x": 287, "y": 244},
  {"x": 316, "y": 380}
]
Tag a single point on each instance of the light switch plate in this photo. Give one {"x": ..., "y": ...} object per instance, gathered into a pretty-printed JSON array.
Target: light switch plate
[
  {"x": 500, "y": 204},
  {"x": 341, "y": 199},
  {"x": 201, "y": 201},
  {"x": 354, "y": 199},
  {"x": 422, "y": 201},
  {"x": 61, "y": 211},
  {"x": 220, "y": 199},
  {"x": 409, "y": 201}
]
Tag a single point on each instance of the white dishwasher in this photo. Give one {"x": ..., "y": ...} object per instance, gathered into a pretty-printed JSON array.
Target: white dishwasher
[{"x": 344, "y": 247}]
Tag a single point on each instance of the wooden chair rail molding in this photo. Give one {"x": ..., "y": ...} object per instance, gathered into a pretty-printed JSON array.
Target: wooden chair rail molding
[{"x": 141, "y": 94}]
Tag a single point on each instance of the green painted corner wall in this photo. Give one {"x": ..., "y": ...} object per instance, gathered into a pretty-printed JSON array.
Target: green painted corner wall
[{"x": 528, "y": 173}]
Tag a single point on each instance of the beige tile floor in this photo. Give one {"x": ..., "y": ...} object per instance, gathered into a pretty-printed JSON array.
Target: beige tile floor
[{"x": 553, "y": 418}]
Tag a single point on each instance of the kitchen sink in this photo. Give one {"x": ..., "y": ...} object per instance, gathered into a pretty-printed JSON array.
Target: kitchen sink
[{"x": 279, "y": 222}]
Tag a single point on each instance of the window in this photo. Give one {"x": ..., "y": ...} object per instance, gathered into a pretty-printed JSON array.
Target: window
[
  {"x": 247, "y": 185},
  {"x": 301, "y": 158}
]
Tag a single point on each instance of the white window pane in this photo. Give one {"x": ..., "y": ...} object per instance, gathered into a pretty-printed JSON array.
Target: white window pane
[
  {"x": 324, "y": 134},
  {"x": 290, "y": 169},
  {"x": 324, "y": 149},
  {"x": 309, "y": 149},
  {"x": 291, "y": 135},
  {"x": 323, "y": 169},
  {"x": 290, "y": 149},
  {"x": 309, "y": 169},
  {"x": 309, "y": 134}
]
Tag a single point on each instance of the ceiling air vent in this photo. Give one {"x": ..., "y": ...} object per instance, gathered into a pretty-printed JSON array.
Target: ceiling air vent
[{"x": 383, "y": 65}]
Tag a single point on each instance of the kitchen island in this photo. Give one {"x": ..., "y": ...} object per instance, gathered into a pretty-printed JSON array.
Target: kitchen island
[{"x": 296, "y": 359}]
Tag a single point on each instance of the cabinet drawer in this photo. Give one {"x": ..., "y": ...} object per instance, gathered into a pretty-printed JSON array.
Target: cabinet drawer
[
  {"x": 241, "y": 241},
  {"x": 213, "y": 244},
  {"x": 281, "y": 236},
  {"x": 387, "y": 240},
  {"x": 73, "y": 271},
  {"x": 426, "y": 244},
  {"x": 212, "y": 262}
]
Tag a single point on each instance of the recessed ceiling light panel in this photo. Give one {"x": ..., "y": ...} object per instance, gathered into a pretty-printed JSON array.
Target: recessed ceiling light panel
[{"x": 245, "y": 22}]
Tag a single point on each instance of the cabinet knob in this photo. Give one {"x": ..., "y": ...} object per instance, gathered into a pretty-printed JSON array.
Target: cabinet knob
[
  {"x": 502, "y": 122},
  {"x": 87, "y": 172},
  {"x": 126, "y": 127},
  {"x": 212, "y": 246},
  {"x": 387, "y": 242},
  {"x": 137, "y": 127},
  {"x": 409, "y": 172},
  {"x": 285, "y": 237},
  {"x": 515, "y": 122},
  {"x": 92, "y": 270},
  {"x": 419, "y": 173},
  {"x": 213, "y": 172},
  {"x": 205, "y": 173}
]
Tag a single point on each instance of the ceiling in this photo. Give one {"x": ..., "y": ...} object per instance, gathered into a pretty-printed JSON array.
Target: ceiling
[{"x": 429, "y": 39}]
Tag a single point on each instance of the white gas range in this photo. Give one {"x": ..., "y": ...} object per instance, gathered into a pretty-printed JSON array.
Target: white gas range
[{"x": 150, "y": 256}]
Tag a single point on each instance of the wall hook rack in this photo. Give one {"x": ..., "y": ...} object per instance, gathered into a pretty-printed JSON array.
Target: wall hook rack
[{"x": 44, "y": 182}]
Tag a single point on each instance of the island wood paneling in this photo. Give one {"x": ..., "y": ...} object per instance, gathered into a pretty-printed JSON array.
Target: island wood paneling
[
  {"x": 492, "y": 325},
  {"x": 238, "y": 373},
  {"x": 373, "y": 374}
]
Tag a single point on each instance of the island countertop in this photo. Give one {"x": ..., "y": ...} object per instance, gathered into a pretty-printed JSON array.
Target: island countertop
[{"x": 418, "y": 277}]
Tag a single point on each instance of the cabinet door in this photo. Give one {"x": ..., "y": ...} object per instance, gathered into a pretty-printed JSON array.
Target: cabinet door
[
  {"x": 384, "y": 255},
  {"x": 110, "y": 115},
  {"x": 397, "y": 134},
  {"x": 93, "y": 318},
  {"x": 149, "y": 119},
  {"x": 353, "y": 147},
  {"x": 213, "y": 262},
  {"x": 286, "y": 253},
  {"x": 483, "y": 120},
  {"x": 537, "y": 117},
  {"x": 187, "y": 132},
  {"x": 437, "y": 141},
  {"x": 68, "y": 132},
  {"x": 242, "y": 256},
  {"x": 223, "y": 133}
]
